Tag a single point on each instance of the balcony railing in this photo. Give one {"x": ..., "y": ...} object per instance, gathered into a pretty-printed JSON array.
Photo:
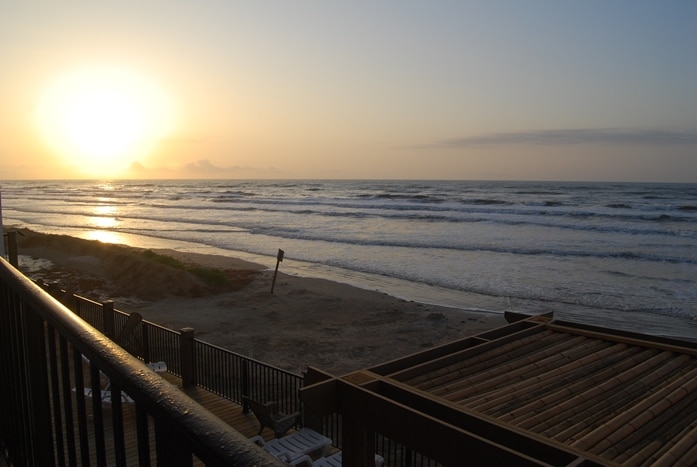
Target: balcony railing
[
  {"x": 46, "y": 418},
  {"x": 225, "y": 373}
]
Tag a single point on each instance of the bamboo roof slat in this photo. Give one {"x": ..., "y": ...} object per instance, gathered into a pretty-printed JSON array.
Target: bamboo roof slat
[
  {"x": 600, "y": 373},
  {"x": 531, "y": 364},
  {"x": 545, "y": 394},
  {"x": 422, "y": 366},
  {"x": 539, "y": 385},
  {"x": 532, "y": 376},
  {"x": 665, "y": 428},
  {"x": 645, "y": 410},
  {"x": 689, "y": 458},
  {"x": 682, "y": 453},
  {"x": 475, "y": 363},
  {"x": 593, "y": 417},
  {"x": 482, "y": 352},
  {"x": 659, "y": 446},
  {"x": 594, "y": 403},
  {"x": 635, "y": 340}
]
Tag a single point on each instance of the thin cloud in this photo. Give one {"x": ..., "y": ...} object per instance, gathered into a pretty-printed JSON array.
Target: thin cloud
[
  {"x": 560, "y": 137},
  {"x": 202, "y": 168},
  {"x": 206, "y": 166},
  {"x": 203, "y": 165}
]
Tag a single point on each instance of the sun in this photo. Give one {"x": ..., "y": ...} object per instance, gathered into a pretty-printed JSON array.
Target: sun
[{"x": 101, "y": 119}]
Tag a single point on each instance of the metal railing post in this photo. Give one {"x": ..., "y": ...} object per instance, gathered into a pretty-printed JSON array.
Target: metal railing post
[
  {"x": 188, "y": 360},
  {"x": 145, "y": 336},
  {"x": 245, "y": 385},
  {"x": 108, "y": 318}
]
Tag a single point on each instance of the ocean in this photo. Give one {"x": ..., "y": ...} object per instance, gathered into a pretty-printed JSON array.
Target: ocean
[{"x": 620, "y": 255}]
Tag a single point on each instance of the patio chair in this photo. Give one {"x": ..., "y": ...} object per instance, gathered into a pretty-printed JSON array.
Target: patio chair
[
  {"x": 105, "y": 392},
  {"x": 296, "y": 446},
  {"x": 134, "y": 319},
  {"x": 269, "y": 416},
  {"x": 128, "y": 332}
]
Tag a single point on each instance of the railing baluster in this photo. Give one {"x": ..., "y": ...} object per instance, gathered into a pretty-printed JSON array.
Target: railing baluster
[
  {"x": 145, "y": 349},
  {"x": 81, "y": 408},
  {"x": 38, "y": 388},
  {"x": 97, "y": 415},
  {"x": 117, "y": 424},
  {"x": 143, "y": 436},
  {"x": 245, "y": 384},
  {"x": 171, "y": 450},
  {"x": 16, "y": 395},
  {"x": 67, "y": 400},
  {"x": 55, "y": 395}
]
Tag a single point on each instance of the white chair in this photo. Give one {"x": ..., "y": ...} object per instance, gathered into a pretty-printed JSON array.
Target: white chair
[
  {"x": 134, "y": 320},
  {"x": 295, "y": 446},
  {"x": 157, "y": 367}
]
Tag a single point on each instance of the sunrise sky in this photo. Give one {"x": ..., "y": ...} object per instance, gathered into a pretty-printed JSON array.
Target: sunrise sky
[{"x": 512, "y": 90}]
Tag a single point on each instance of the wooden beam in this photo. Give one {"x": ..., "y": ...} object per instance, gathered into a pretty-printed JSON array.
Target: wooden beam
[
  {"x": 320, "y": 398},
  {"x": 425, "y": 434}
]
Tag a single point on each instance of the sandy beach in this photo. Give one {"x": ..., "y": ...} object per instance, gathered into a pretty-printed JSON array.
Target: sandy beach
[{"x": 304, "y": 322}]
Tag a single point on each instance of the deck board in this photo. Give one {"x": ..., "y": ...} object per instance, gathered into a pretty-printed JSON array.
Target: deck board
[{"x": 228, "y": 411}]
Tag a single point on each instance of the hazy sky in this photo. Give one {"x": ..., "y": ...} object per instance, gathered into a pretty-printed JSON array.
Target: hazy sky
[{"x": 542, "y": 90}]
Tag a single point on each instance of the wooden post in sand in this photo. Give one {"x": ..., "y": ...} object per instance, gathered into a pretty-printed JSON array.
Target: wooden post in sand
[
  {"x": 12, "y": 256},
  {"x": 279, "y": 258}
]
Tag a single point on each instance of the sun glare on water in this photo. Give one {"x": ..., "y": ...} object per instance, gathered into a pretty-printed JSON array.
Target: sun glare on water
[{"x": 102, "y": 119}]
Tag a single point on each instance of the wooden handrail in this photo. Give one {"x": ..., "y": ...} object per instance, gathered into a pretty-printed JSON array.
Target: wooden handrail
[{"x": 183, "y": 428}]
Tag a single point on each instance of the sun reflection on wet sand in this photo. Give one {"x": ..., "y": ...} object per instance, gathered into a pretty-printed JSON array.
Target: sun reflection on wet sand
[
  {"x": 103, "y": 222},
  {"x": 105, "y": 236},
  {"x": 104, "y": 218}
]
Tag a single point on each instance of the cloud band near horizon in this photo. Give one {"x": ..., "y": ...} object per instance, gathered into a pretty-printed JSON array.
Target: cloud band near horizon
[{"x": 612, "y": 136}]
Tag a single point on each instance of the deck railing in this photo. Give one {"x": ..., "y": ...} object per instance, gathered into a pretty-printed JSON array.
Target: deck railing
[
  {"x": 46, "y": 418},
  {"x": 221, "y": 371},
  {"x": 225, "y": 373},
  {"x": 232, "y": 376}
]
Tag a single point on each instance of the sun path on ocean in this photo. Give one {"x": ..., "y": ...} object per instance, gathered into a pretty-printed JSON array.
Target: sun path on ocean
[{"x": 101, "y": 119}]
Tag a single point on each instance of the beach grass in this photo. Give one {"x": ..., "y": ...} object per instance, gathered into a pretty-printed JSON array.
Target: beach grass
[{"x": 212, "y": 277}]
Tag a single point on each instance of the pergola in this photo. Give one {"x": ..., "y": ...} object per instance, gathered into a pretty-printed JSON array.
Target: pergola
[{"x": 536, "y": 392}]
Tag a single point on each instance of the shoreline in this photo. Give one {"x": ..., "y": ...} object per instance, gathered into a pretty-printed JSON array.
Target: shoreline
[
  {"x": 678, "y": 327},
  {"x": 398, "y": 288},
  {"x": 307, "y": 321}
]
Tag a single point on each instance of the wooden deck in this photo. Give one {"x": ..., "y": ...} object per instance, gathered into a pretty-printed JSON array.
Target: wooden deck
[{"x": 230, "y": 412}]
